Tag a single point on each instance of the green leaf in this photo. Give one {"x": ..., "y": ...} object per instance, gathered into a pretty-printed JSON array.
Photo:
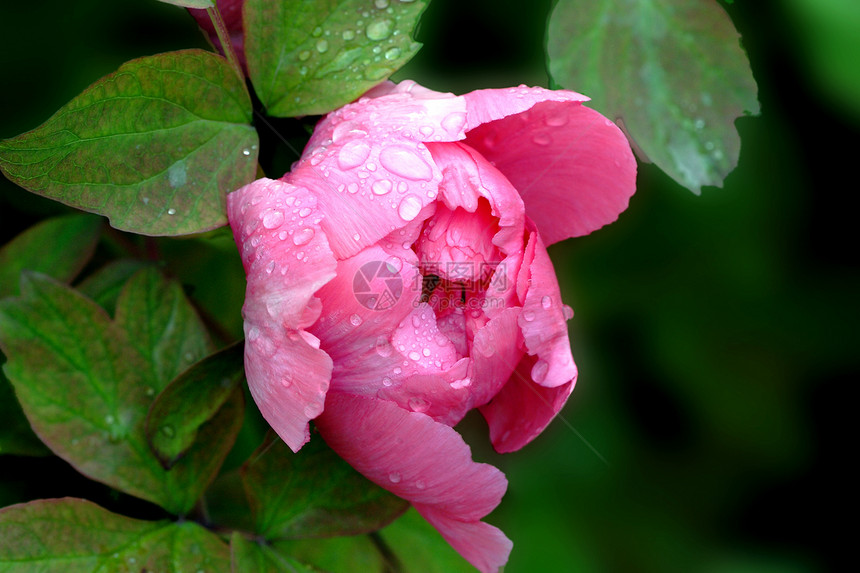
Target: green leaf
[
  {"x": 105, "y": 284},
  {"x": 58, "y": 247},
  {"x": 311, "y": 57},
  {"x": 248, "y": 556},
  {"x": 671, "y": 71},
  {"x": 155, "y": 146},
  {"x": 313, "y": 493},
  {"x": 337, "y": 554},
  {"x": 75, "y": 535},
  {"x": 420, "y": 548},
  {"x": 86, "y": 388},
  {"x": 190, "y": 401}
]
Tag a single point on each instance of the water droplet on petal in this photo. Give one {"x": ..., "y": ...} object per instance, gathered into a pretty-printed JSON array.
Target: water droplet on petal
[
  {"x": 304, "y": 212},
  {"x": 567, "y": 311},
  {"x": 546, "y": 302},
  {"x": 394, "y": 477},
  {"x": 405, "y": 162},
  {"x": 454, "y": 122},
  {"x": 419, "y": 404},
  {"x": 528, "y": 315},
  {"x": 386, "y": 381},
  {"x": 409, "y": 207},
  {"x": 355, "y": 320},
  {"x": 353, "y": 154},
  {"x": 542, "y": 139},
  {"x": 273, "y": 218},
  {"x": 303, "y": 236},
  {"x": 414, "y": 355},
  {"x": 539, "y": 371},
  {"x": 286, "y": 382},
  {"x": 381, "y": 187},
  {"x": 420, "y": 484},
  {"x": 464, "y": 383}
]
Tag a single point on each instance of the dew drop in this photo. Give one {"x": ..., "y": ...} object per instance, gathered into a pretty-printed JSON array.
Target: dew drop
[
  {"x": 381, "y": 187},
  {"x": 542, "y": 139},
  {"x": 168, "y": 431},
  {"x": 322, "y": 46},
  {"x": 304, "y": 212},
  {"x": 273, "y": 218},
  {"x": 567, "y": 311},
  {"x": 303, "y": 236},
  {"x": 409, "y": 207},
  {"x": 379, "y": 30},
  {"x": 420, "y": 484},
  {"x": 419, "y": 404},
  {"x": 557, "y": 119},
  {"x": 353, "y": 154},
  {"x": 528, "y": 315},
  {"x": 394, "y": 477},
  {"x": 392, "y": 54},
  {"x": 454, "y": 122},
  {"x": 386, "y": 381},
  {"x": 355, "y": 320},
  {"x": 405, "y": 162},
  {"x": 414, "y": 355},
  {"x": 286, "y": 382},
  {"x": 464, "y": 383},
  {"x": 348, "y": 35},
  {"x": 304, "y": 55},
  {"x": 546, "y": 302},
  {"x": 145, "y": 200},
  {"x": 171, "y": 211},
  {"x": 539, "y": 371},
  {"x": 246, "y": 152},
  {"x": 381, "y": 4}
]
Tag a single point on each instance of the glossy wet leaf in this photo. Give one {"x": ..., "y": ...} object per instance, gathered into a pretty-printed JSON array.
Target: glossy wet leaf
[
  {"x": 86, "y": 382},
  {"x": 191, "y": 400},
  {"x": 313, "y": 493},
  {"x": 671, "y": 71},
  {"x": 251, "y": 557},
  {"x": 75, "y": 535},
  {"x": 154, "y": 146},
  {"x": 58, "y": 247},
  {"x": 308, "y": 58}
]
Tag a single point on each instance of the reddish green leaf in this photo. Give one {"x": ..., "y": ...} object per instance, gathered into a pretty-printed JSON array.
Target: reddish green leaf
[
  {"x": 16, "y": 436},
  {"x": 155, "y": 146},
  {"x": 673, "y": 72},
  {"x": 58, "y": 247},
  {"x": 308, "y": 58},
  {"x": 86, "y": 388},
  {"x": 75, "y": 535},
  {"x": 313, "y": 493},
  {"x": 105, "y": 284},
  {"x": 190, "y": 401}
]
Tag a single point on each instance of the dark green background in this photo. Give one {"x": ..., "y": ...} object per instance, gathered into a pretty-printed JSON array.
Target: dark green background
[{"x": 715, "y": 335}]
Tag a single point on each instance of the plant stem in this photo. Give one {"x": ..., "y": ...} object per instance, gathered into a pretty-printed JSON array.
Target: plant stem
[{"x": 224, "y": 38}]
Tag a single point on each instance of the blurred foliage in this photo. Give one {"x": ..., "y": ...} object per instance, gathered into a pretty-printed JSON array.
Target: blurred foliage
[{"x": 715, "y": 335}]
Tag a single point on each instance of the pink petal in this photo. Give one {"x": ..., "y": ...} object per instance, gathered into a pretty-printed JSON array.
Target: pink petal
[
  {"x": 542, "y": 320},
  {"x": 484, "y": 106},
  {"x": 287, "y": 260},
  {"x": 481, "y": 544},
  {"x": 495, "y": 354},
  {"x": 522, "y": 409},
  {"x": 422, "y": 461},
  {"x": 573, "y": 167}
]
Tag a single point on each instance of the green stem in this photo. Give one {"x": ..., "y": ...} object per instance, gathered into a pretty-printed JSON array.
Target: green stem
[{"x": 224, "y": 38}]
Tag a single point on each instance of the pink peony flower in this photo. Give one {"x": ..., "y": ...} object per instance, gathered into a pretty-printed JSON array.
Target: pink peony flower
[{"x": 398, "y": 278}]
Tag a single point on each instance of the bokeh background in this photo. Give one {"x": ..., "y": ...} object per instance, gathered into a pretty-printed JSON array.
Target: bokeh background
[{"x": 716, "y": 336}]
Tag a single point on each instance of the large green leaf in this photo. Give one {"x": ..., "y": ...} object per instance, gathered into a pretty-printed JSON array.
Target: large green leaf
[
  {"x": 16, "y": 436},
  {"x": 105, "y": 284},
  {"x": 75, "y": 535},
  {"x": 250, "y": 557},
  {"x": 313, "y": 493},
  {"x": 58, "y": 247},
  {"x": 154, "y": 146},
  {"x": 671, "y": 71},
  {"x": 311, "y": 57},
  {"x": 86, "y": 386},
  {"x": 191, "y": 400}
]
